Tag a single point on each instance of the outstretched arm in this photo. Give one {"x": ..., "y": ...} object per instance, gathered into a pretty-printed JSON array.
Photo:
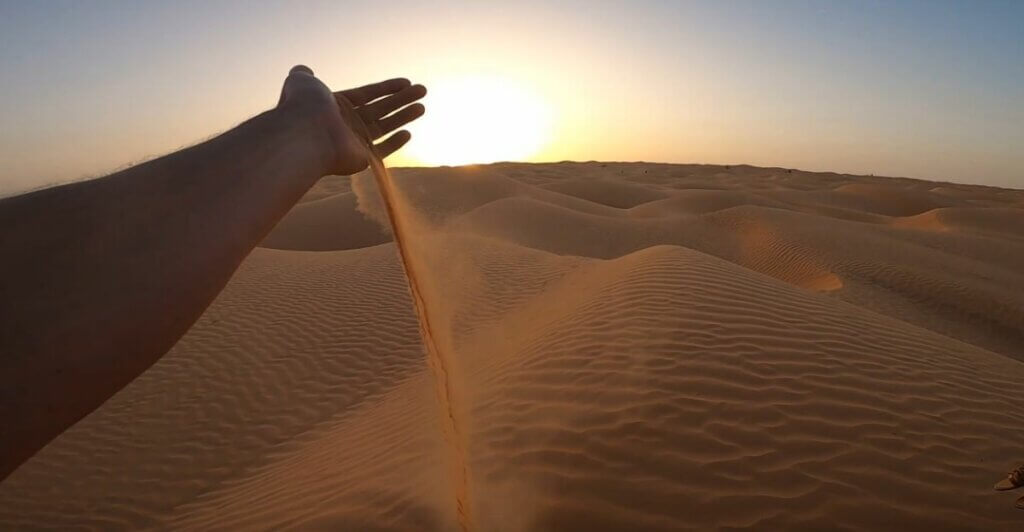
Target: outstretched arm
[{"x": 98, "y": 279}]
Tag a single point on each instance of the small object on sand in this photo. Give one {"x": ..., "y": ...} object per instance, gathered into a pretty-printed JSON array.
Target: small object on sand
[{"x": 1014, "y": 479}]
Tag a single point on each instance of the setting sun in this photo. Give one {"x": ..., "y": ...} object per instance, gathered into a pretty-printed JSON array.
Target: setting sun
[{"x": 480, "y": 120}]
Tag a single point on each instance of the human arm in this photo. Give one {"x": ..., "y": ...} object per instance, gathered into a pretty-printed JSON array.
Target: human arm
[{"x": 100, "y": 278}]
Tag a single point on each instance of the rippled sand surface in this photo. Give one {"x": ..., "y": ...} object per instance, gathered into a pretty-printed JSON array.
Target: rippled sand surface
[{"x": 634, "y": 346}]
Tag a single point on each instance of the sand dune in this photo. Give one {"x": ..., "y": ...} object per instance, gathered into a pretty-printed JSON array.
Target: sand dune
[
  {"x": 888, "y": 199},
  {"x": 312, "y": 226},
  {"x": 636, "y": 346},
  {"x": 997, "y": 221},
  {"x": 608, "y": 192}
]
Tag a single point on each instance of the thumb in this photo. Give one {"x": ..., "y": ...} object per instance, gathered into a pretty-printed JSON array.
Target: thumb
[{"x": 297, "y": 70}]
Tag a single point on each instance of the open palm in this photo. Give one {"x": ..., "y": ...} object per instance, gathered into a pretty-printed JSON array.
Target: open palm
[{"x": 356, "y": 118}]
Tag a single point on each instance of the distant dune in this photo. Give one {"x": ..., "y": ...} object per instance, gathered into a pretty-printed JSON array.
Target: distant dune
[{"x": 639, "y": 347}]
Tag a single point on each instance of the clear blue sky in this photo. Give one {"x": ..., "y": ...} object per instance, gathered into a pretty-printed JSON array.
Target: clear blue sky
[{"x": 924, "y": 89}]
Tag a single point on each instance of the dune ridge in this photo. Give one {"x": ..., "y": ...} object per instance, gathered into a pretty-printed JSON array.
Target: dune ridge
[{"x": 677, "y": 347}]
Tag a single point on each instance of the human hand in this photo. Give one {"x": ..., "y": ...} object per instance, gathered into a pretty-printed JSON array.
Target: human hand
[{"x": 353, "y": 119}]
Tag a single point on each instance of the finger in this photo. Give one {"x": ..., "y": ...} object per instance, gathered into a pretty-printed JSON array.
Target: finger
[
  {"x": 392, "y": 143},
  {"x": 390, "y": 123},
  {"x": 368, "y": 93},
  {"x": 386, "y": 106},
  {"x": 301, "y": 68}
]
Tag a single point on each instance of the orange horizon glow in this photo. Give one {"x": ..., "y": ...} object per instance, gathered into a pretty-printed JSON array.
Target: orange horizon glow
[{"x": 881, "y": 89}]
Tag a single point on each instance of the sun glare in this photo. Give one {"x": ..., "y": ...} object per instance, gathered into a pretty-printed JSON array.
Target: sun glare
[{"x": 480, "y": 120}]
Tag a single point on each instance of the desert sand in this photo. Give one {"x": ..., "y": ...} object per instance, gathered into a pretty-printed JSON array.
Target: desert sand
[{"x": 628, "y": 346}]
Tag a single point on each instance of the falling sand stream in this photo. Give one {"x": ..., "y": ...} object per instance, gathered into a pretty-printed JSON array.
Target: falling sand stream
[{"x": 439, "y": 361}]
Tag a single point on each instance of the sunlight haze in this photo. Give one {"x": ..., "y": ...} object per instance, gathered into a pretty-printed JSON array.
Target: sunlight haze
[
  {"x": 920, "y": 89},
  {"x": 464, "y": 127}
]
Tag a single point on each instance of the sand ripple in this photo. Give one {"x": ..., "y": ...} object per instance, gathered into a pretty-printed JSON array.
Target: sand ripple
[{"x": 640, "y": 346}]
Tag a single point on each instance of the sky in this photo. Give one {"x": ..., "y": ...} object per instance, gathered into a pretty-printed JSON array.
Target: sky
[{"x": 929, "y": 89}]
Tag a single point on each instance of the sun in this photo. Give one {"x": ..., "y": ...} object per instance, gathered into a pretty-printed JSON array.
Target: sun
[{"x": 479, "y": 120}]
